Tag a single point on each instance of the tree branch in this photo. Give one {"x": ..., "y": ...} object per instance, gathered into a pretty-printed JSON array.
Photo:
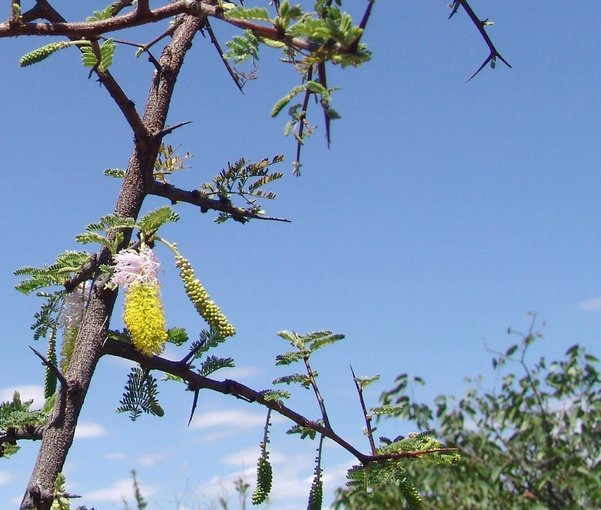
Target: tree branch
[
  {"x": 205, "y": 203},
  {"x": 197, "y": 382},
  {"x": 480, "y": 25}
]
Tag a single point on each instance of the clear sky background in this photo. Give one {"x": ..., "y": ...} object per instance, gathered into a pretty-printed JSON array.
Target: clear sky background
[{"x": 443, "y": 213}]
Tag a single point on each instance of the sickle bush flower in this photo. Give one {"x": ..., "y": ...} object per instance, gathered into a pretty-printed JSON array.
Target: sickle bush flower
[{"x": 143, "y": 313}]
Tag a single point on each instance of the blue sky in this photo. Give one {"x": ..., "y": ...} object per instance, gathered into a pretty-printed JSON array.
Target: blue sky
[{"x": 443, "y": 213}]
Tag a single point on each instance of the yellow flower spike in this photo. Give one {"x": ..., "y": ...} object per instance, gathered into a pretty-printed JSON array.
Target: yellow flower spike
[{"x": 144, "y": 318}]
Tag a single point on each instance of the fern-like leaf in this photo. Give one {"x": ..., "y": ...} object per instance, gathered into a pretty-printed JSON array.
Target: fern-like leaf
[
  {"x": 213, "y": 363},
  {"x": 140, "y": 395},
  {"x": 257, "y": 13},
  {"x": 153, "y": 220},
  {"x": 105, "y": 13},
  {"x": 243, "y": 47},
  {"x": 66, "y": 264},
  {"x": 302, "y": 379},
  {"x": 107, "y": 51}
]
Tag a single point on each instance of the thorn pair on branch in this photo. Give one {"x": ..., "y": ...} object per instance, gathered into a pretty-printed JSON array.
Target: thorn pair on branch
[{"x": 481, "y": 26}]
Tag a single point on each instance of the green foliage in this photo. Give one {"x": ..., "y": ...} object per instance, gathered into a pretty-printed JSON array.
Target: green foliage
[
  {"x": 364, "y": 382},
  {"x": 45, "y": 320},
  {"x": 105, "y": 13},
  {"x": 213, "y": 363},
  {"x": 303, "y": 431},
  {"x": 18, "y": 415},
  {"x": 99, "y": 59},
  {"x": 284, "y": 101},
  {"x": 152, "y": 221},
  {"x": 61, "y": 499},
  {"x": 106, "y": 232},
  {"x": 240, "y": 12},
  {"x": 243, "y": 47},
  {"x": 529, "y": 443},
  {"x": 66, "y": 264},
  {"x": 177, "y": 336},
  {"x": 117, "y": 173},
  {"x": 246, "y": 180},
  {"x": 207, "y": 339},
  {"x": 277, "y": 395},
  {"x": 374, "y": 478},
  {"x": 305, "y": 344},
  {"x": 363, "y": 481},
  {"x": 168, "y": 162},
  {"x": 302, "y": 379},
  {"x": 140, "y": 395}
]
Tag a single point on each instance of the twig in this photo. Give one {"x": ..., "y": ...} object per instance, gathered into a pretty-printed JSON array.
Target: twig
[
  {"x": 53, "y": 368},
  {"x": 480, "y": 25},
  {"x": 227, "y": 65},
  {"x": 169, "y": 129},
  {"x": 370, "y": 432},
  {"x": 320, "y": 400}
]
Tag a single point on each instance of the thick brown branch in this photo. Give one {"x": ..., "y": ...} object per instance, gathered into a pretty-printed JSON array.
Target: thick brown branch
[
  {"x": 25, "y": 434},
  {"x": 91, "y": 29}
]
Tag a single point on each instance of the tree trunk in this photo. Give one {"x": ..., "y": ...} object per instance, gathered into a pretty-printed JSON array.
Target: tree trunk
[{"x": 59, "y": 432}]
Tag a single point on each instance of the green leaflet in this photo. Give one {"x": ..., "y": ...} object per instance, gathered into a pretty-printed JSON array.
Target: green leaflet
[
  {"x": 243, "y": 47},
  {"x": 246, "y": 180},
  {"x": 284, "y": 101},
  {"x": 105, "y": 13},
  {"x": 248, "y": 13},
  {"x": 151, "y": 221},
  {"x": 65, "y": 265},
  {"x": 107, "y": 51}
]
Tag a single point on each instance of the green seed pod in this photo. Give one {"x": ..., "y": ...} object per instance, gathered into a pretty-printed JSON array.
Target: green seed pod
[
  {"x": 199, "y": 297},
  {"x": 264, "y": 479},
  {"x": 35, "y": 56}
]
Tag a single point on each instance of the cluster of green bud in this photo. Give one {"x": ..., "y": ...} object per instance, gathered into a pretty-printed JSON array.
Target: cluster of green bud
[
  {"x": 316, "y": 494},
  {"x": 35, "y": 56},
  {"x": 410, "y": 492},
  {"x": 264, "y": 478},
  {"x": 195, "y": 291}
]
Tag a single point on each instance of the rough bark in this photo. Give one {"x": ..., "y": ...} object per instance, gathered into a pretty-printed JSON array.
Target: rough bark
[{"x": 58, "y": 434}]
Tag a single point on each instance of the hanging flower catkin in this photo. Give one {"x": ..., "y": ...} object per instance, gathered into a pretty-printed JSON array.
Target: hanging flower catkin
[
  {"x": 143, "y": 311},
  {"x": 201, "y": 300}
]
